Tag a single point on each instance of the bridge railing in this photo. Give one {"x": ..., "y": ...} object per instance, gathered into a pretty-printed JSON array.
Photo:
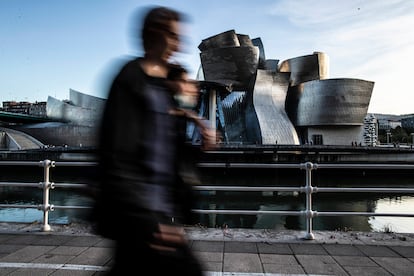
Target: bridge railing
[{"x": 308, "y": 189}]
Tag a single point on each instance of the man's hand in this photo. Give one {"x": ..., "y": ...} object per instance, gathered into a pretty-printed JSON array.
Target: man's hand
[
  {"x": 169, "y": 238},
  {"x": 209, "y": 135}
]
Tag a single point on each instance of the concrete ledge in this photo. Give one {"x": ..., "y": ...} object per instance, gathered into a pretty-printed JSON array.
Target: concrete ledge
[
  {"x": 293, "y": 236},
  {"x": 236, "y": 234}
]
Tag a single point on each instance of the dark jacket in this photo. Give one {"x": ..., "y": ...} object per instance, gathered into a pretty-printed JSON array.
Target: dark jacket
[{"x": 140, "y": 150}]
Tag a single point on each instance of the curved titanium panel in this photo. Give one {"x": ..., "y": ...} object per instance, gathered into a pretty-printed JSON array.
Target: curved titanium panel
[
  {"x": 245, "y": 40},
  {"x": 269, "y": 103},
  {"x": 232, "y": 66},
  {"x": 262, "y": 57},
  {"x": 233, "y": 106},
  {"x": 271, "y": 64},
  {"x": 224, "y": 39},
  {"x": 62, "y": 111},
  {"x": 86, "y": 101},
  {"x": 332, "y": 102},
  {"x": 306, "y": 68}
]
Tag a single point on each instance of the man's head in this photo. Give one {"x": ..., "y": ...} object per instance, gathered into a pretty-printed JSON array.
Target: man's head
[{"x": 161, "y": 32}]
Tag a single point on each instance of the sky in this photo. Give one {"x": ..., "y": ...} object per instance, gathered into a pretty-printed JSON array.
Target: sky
[{"x": 48, "y": 47}]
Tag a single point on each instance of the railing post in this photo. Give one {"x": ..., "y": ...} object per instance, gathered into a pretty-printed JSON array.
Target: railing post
[
  {"x": 309, "y": 214},
  {"x": 46, "y": 207}
]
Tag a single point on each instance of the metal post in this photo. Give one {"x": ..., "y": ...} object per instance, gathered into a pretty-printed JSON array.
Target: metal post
[
  {"x": 46, "y": 207},
  {"x": 212, "y": 108},
  {"x": 309, "y": 189}
]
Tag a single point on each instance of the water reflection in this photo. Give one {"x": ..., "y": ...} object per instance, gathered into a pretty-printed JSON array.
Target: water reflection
[
  {"x": 325, "y": 202},
  {"x": 399, "y": 204}
]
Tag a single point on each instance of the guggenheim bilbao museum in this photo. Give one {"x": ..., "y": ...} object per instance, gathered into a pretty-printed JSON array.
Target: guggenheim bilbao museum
[{"x": 249, "y": 99}]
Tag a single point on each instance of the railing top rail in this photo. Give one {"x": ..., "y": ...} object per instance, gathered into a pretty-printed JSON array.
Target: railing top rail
[
  {"x": 235, "y": 165},
  {"x": 304, "y": 165},
  {"x": 250, "y": 165},
  {"x": 247, "y": 188},
  {"x": 364, "y": 166},
  {"x": 20, "y": 184},
  {"x": 21, "y": 163},
  {"x": 76, "y": 163},
  {"x": 359, "y": 189}
]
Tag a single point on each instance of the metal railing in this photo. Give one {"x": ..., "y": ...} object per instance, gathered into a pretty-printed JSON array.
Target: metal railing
[
  {"x": 46, "y": 185},
  {"x": 308, "y": 189}
]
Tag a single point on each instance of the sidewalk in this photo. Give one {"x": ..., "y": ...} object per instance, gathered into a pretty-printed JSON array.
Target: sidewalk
[{"x": 24, "y": 250}]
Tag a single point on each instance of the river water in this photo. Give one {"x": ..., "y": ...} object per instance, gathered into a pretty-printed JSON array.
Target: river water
[{"x": 358, "y": 202}]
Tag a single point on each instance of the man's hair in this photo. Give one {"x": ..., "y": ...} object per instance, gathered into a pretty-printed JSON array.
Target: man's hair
[
  {"x": 176, "y": 72},
  {"x": 158, "y": 20}
]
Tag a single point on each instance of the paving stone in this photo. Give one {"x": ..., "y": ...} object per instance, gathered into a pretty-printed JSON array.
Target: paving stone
[
  {"x": 51, "y": 239},
  {"x": 209, "y": 256},
  {"x": 304, "y": 249},
  {"x": 405, "y": 251},
  {"x": 6, "y": 270},
  {"x": 354, "y": 261},
  {"x": 210, "y": 246},
  {"x": 212, "y": 266},
  {"x": 10, "y": 248},
  {"x": 274, "y": 248},
  {"x": 5, "y": 237},
  {"x": 74, "y": 273},
  {"x": 366, "y": 271},
  {"x": 240, "y": 247},
  {"x": 396, "y": 266},
  {"x": 20, "y": 239},
  {"x": 27, "y": 253},
  {"x": 283, "y": 269},
  {"x": 53, "y": 259},
  {"x": 93, "y": 256},
  {"x": 68, "y": 250},
  {"x": 377, "y": 251},
  {"x": 83, "y": 241},
  {"x": 109, "y": 243},
  {"x": 31, "y": 272},
  {"x": 240, "y": 262},
  {"x": 320, "y": 264},
  {"x": 278, "y": 259},
  {"x": 342, "y": 250}
]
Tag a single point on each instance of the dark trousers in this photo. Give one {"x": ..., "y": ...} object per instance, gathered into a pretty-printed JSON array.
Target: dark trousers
[{"x": 135, "y": 257}]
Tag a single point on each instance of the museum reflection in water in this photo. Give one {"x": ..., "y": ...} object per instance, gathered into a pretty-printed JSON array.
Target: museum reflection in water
[{"x": 288, "y": 201}]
